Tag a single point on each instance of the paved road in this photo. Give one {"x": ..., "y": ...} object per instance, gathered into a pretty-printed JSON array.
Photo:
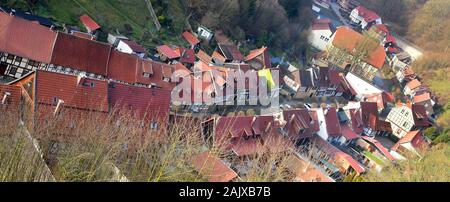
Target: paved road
[
  {"x": 409, "y": 47},
  {"x": 336, "y": 10}
]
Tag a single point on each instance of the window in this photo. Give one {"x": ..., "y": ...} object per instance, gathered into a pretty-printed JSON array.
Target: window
[
  {"x": 89, "y": 84},
  {"x": 147, "y": 75},
  {"x": 10, "y": 57},
  {"x": 405, "y": 124},
  {"x": 13, "y": 71},
  {"x": 154, "y": 125},
  {"x": 18, "y": 60},
  {"x": 55, "y": 100}
]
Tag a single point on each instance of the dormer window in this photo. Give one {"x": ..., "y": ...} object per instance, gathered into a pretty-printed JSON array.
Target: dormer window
[
  {"x": 89, "y": 84},
  {"x": 147, "y": 75},
  {"x": 55, "y": 101},
  {"x": 154, "y": 125}
]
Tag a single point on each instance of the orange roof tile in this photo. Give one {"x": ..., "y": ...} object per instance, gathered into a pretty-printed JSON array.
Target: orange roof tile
[
  {"x": 348, "y": 39},
  {"x": 89, "y": 23},
  {"x": 413, "y": 84},
  {"x": 204, "y": 57},
  {"x": 214, "y": 169},
  {"x": 190, "y": 38}
]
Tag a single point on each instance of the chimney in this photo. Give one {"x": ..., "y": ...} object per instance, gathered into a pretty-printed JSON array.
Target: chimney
[
  {"x": 80, "y": 78},
  {"x": 5, "y": 97},
  {"x": 399, "y": 103},
  {"x": 292, "y": 118},
  {"x": 58, "y": 107},
  {"x": 268, "y": 127},
  {"x": 409, "y": 104}
]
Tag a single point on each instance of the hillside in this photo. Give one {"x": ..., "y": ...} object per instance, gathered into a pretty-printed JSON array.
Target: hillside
[
  {"x": 129, "y": 17},
  {"x": 281, "y": 25},
  {"x": 425, "y": 23}
]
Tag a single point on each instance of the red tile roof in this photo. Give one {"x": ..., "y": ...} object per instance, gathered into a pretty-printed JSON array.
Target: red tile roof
[
  {"x": 420, "y": 115},
  {"x": 382, "y": 28},
  {"x": 337, "y": 155},
  {"x": 168, "y": 52},
  {"x": 81, "y": 54},
  {"x": 243, "y": 130},
  {"x": 408, "y": 71},
  {"x": 149, "y": 104},
  {"x": 82, "y": 94},
  {"x": 217, "y": 56},
  {"x": 357, "y": 123},
  {"x": 413, "y": 84},
  {"x": 187, "y": 55},
  {"x": 122, "y": 67},
  {"x": 214, "y": 169},
  {"x": 181, "y": 70},
  {"x": 348, "y": 39},
  {"x": 204, "y": 57},
  {"x": 89, "y": 23},
  {"x": 157, "y": 70},
  {"x": 333, "y": 75},
  {"x": 190, "y": 38},
  {"x": 231, "y": 52},
  {"x": 332, "y": 121},
  {"x": 137, "y": 48},
  {"x": 381, "y": 99},
  {"x": 380, "y": 147},
  {"x": 390, "y": 38},
  {"x": 369, "y": 114},
  {"x": 415, "y": 138},
  {"x": 263, "y": 54},
  {"x": 12, "y": 101},
  {"x": 305, "y": 171},
  {"x": 348, "y": 133},
  {"x": 367, "y": 14},
  {"x": 25, "y": 38},
  {"x": 422, "y": 97},
  {"x": 296, "y": 121}
]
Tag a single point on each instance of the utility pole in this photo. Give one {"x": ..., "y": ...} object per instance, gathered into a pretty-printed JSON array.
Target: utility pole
[{"x": 153, "y": 14}]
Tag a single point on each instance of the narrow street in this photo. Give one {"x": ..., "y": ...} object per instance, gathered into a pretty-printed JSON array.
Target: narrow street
[{"x": 336, "y": 10}]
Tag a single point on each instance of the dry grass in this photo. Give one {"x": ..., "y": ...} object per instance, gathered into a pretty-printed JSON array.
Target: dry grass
[{"x": 89, "y": 149}]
